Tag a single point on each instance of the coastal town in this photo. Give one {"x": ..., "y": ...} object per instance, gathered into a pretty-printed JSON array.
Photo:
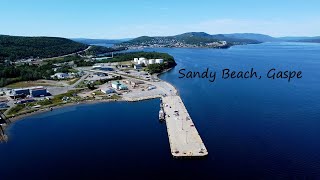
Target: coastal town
[{"x": 180, "y": 41}]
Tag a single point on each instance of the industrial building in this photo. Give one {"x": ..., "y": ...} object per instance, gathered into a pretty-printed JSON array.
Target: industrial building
[
  {"x": 146, "y": 62},
  {"x": 115, "y": 84},
  {"x": 159, "y": 61},
  {"x": 137, "y": 66},
  {"x": 20, "y": 92},
  {"x": 3, "y": 105},
  {"x": 34, "y": 92},
  {"x": 152, "y": 61},
  {"x": 123, "y": 87},
  {"x": 118, "y": 85},
  {"x": 107, "y": 90},
  {"x": 38, "y": 92}
]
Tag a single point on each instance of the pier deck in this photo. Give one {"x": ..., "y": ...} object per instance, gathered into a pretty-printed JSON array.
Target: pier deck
[{"x": 184, "y": 138}]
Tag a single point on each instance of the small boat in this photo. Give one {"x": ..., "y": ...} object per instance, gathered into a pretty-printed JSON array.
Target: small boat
[{"x": 161, "y": 115}]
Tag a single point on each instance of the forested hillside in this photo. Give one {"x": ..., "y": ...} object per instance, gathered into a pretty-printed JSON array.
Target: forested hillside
[{"x": 18, "y": 47}]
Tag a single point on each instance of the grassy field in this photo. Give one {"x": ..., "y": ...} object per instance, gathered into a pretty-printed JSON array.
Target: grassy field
[
  {"x": 24, "y": 84},
  {"x": 72, "y": 81},
  {"x": 16, "y": 109},
  {"x": 98, "y": 93},
  {"x": 114, "y": 97},
  {"x": 125, "y": 62}
]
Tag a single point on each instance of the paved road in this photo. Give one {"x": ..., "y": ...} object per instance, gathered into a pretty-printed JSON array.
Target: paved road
[
  {"x": 46, "y": 59},
  {"x": 79, "y": 81}
]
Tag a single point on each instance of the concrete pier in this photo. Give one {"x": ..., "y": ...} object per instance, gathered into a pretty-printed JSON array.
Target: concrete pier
[{"x": 184, "y": 138}]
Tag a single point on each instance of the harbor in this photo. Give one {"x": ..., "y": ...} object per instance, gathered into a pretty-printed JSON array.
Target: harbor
[
  {"x": 184, "y": 138},
  {"x": 131, "y": 86}
]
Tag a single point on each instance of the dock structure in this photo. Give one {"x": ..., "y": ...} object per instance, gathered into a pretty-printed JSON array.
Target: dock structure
[
  {"x": 3, "y": 124},
  {"x": 184, "y": 138}
]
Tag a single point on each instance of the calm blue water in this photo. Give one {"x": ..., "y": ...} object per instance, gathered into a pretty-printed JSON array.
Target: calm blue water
[{"x": 253, "y": 129}]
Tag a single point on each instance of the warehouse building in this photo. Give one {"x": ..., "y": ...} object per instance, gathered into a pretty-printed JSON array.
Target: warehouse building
[
  {"x": 38, "y": 92},
  {"x": 20, "y": 92},
  {"x": 107, "y": 90},
  {"x": 34, "y": 92}
]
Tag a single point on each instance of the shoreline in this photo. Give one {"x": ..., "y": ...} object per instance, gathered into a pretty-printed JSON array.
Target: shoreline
[
  {"x": 39, "y": 111},
  {"x": 22, "y": 116},
  {"x": 88, "y": 102}
]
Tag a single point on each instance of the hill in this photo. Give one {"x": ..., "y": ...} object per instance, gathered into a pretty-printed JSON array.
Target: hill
[
  {"x": 19, "y": 47},
  {"x": 202, "y": 36},
  {"x": 298, "y": 38},
  {"x": 253, "y": 36},
  {"x": 315, "y": 39},
  {"x": 191, "y": 39},
  {"x": 312, "y": 40},
  {"x": 99, "y": 41}
]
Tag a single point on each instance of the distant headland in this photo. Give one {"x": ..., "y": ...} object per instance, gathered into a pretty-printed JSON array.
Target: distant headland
[{"x": 196, "y": 40}]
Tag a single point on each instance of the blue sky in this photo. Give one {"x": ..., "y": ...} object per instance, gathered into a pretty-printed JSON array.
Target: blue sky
[{"x": 132, "y": 18}]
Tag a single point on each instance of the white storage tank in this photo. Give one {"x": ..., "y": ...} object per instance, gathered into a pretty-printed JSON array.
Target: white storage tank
[
  {"x": 146, "y": 61},
  {"x": 140, "y": 61},
  {"x": 159, "y": 61},
  {"x": 151, "y": 61}
]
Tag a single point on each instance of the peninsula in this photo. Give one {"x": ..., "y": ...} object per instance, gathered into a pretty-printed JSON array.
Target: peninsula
[{"x": 187, "y": 40}]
